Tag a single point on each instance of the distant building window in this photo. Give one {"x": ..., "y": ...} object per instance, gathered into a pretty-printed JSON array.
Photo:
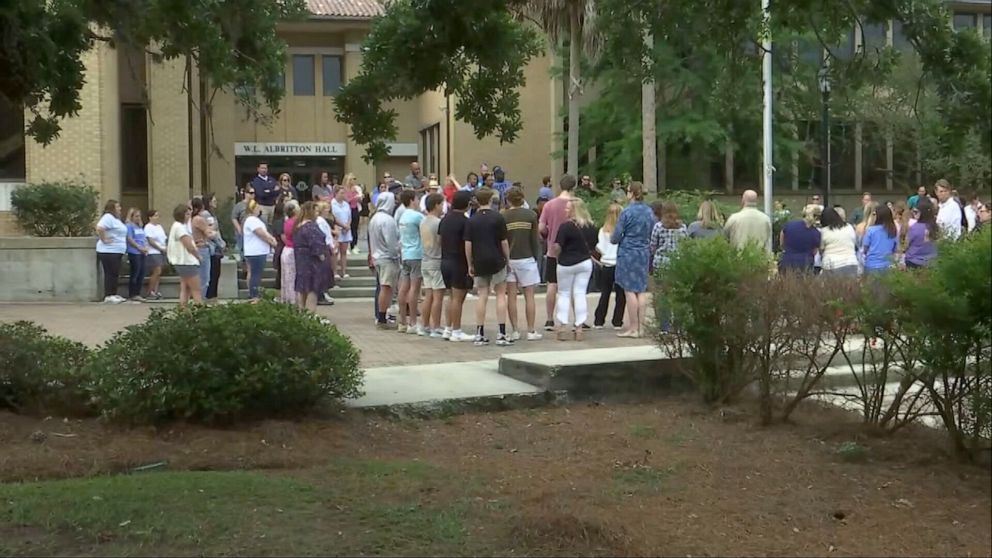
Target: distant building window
[
  {"x": 987, "y": 25},
  {"x": 874, "y": 37},
  {"x": 303, "y": 75},
  {"x": 965, "y": 21},
  {"x": 331, "y": 71},
  {"x": 899, "y": 39},
  {"x": 12, "y": 158},
  {"x": 430, "y": 148}
]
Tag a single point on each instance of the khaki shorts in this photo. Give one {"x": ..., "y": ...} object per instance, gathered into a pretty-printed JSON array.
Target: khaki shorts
[
  {"x": 490, "y": 280},
  {"x": 431, "y": 272},
  {"x": 388, "y": 272},
  {"x": 410, "y": 269},
  {"x": 524, "y": 272}
]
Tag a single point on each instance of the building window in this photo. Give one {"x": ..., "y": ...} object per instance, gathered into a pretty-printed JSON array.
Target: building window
[
  {"x": 965, "y": 21},
  {"x": 430, "y": 148},
  {"x": 899, "y": 39},
  {"x": 134, "y": 148},
  {"x": 874, "y": 37},
  {"x": 987, "y": 25},
  {"x": 331, "y": 74},
  {"x": 12, "y": 165},
  {"x": 303, "y": 75}
]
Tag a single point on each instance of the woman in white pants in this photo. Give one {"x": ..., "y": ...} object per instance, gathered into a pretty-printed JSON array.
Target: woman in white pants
[{"x": 574, "y": 249}]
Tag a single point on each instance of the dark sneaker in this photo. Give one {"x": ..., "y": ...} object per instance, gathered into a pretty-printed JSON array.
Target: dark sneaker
[
  {"x": 549, "y": 326},
  {"x": 480, "y": 341},
  {"x": 503, "y": 341}
]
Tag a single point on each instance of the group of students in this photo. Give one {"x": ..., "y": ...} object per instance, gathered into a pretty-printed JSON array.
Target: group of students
[
  {"x": 194, "y": 247},
  {"x": 883, "y": 236}
]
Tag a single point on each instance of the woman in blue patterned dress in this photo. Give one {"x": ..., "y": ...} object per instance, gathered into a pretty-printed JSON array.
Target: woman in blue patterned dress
[{"x": 633, "y": 235}]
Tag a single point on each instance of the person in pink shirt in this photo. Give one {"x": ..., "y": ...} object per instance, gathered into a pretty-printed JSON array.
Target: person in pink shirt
[
  {"x": 287, "y": 259},
  {"x": 553, "y": 215},
  {"x": 353, "y": 195}
]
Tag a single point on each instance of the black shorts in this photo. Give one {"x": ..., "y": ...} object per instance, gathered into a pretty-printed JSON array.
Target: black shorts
[
  {"x": 455, "y": 276},
  {"x": 551, "y": 270}
]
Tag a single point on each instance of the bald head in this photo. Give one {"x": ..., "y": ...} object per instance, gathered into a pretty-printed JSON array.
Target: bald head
[{"x": 749, "y": 199}]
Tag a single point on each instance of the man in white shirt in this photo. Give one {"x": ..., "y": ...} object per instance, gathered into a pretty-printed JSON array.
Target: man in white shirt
[
  {"x": 749, "y": 226},
  {"x": 971, "y": 210},
  {"x": 949, "y": 215}
]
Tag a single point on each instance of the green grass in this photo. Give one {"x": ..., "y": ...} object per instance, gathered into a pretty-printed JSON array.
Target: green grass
[
  {"x": 641, "y": 479},
  {"x": 350, "y": 507},
  {"x": 643, "y": 431}
]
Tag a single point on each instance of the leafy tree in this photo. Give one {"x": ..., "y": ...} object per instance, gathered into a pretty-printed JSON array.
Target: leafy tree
[{"x": 232, "y": 43}]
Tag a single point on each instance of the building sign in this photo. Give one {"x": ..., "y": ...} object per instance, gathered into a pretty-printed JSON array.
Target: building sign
[{"x": 254, "y": 149}]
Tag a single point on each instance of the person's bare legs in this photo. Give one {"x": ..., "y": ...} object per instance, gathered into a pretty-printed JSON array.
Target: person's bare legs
[
  {"x": 480, "y": 305},
  {"x": 154, "y": 279},
  {"x": 196, "y": 290},
  {"x": 633, "y": 315},
  {"x": 401, "y": 298},
  {"x": 455, "y": 309},
  {"x": 642, "y": 312},
  {"x": 308, "y": 301},
  {"x": 183, "y": 291},
  {"x": 427, "y": 309},
  {"x": 412, "y": 295},
  {"x": 385, "y": 297},
  {"x": 437, "y": 302},
  {"x": 549, "y": 303},
  {"x": 511, "y": 303},
  {"x": 500, "y": 302},
  {"x": 530, "y": 308},
  {"x": 343, "y": 257}
]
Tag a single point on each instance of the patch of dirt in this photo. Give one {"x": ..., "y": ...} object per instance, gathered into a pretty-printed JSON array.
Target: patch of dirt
[{"x": 666, "y": 477}]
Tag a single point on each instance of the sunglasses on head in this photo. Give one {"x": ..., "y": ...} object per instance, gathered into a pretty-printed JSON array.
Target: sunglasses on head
[{"x": 250, "y": 192}]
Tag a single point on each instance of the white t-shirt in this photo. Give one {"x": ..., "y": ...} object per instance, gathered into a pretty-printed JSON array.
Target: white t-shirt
[
  {"x": 949, "y": 219},
  {"x": 971, "y": 216},
  {"x": 341, "y": 212},
  {"x": 607, "y": 249},
  {"x": 178, "y": 254},
  {"x": 423, "y": 206},
  {"x": 156, "y": 233},
  {"x": 325, "y": 228},
  {"x": 255, "y": 245},
  {"x": 837, "y": 247},
  {"x": 116, "y": 232}
]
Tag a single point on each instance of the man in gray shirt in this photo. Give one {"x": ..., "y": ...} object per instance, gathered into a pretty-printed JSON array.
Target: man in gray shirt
[
  {"x": 430, "y": 237},
  {"x": 384, "y": 247}
]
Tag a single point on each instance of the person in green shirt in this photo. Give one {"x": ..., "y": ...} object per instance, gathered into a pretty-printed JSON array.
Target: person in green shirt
[
  {"x": 522, "y": 231},
  {"x": 914, "y": 200}
]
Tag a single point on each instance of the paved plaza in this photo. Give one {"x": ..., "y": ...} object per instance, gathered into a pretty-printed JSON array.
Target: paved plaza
[{"x": 95, "y": 323}]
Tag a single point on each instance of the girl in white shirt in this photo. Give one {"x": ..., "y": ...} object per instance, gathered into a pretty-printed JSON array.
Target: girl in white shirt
[
  {"x": 838, "y": 245},
  {"x": 157, "y": 240},
  {"x": 184, "y": 256},
  {"x": 607, "y": 274},
  {"x": 110, "y": 248},
  {"x": 258, "y": 245}
]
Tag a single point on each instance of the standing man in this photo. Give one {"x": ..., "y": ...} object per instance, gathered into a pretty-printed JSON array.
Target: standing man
[
  {"x": 454, "y": 265},
  {"x": 949, "y": 216},
  {"x": 749, "y": 226},
  {"x": 488, "y": 251},
  {"x": 858, "y": 214},
  {"x": 410, "y": 266},
  {"x": 501, "y": 185},
  {"x": 384, "y": 250},
  {"x": 521, "y": 227},
  {"x": 267, "y": 191},
  {"x": 430, "y": 239},
  {"x": 415, "y": 177},
  {"x": 552, "y": 216},
  {"x": 587, "y": 185}
]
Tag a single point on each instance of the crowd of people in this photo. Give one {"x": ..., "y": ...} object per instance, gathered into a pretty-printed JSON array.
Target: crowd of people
[{"x": 434, "y": 246}]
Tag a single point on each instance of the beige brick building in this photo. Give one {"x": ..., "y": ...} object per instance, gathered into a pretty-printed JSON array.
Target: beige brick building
[{"x": 142, "y": 138}]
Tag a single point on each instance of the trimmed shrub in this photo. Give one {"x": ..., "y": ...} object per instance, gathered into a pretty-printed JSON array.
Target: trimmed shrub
[
  {"x": 222, "y": 363},
  {"x": 56, "y": 208},
  {"x": 707, "y": 290},
  {"x": 41, "y": 373}
]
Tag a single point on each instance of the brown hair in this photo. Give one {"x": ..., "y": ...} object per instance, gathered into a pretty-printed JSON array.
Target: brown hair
[
  {"x": 883, "y": 217},
  {"x": 179, "y": 213},
  {"x": 515, "y": 196},
  {"x": 111, "y": 206},
  {"x": 670, "y": 218},
  {"x": 484, "y": 196},
  {"x": 567, "y": 183},
  {"x": 308, "y": 212},
  {"x": 407, "y": 197},
  {"x": 433, "y": 200},
  {"x": 636, "y": 191}
]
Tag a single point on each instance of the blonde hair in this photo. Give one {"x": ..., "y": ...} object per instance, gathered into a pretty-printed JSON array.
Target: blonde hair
[
  {"x": 612, "y": 217},
  {"x": 580, "y": 213},
  {"x": 252, "y": 208},
  {"x": 323, "y": 207},
  {"x": 308, "y": 212},
  {"x": 709, "y": 215},
  {"x": 811, "y": 213},
  {"x": 287, "y": 175},
  {"x": 130, "y": 215},
  {"x": 348, "y": 179}
]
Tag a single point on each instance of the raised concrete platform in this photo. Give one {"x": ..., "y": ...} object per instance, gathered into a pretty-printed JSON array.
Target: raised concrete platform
[
  {"x": 598, "y": 372},
  {"x": 432, "y": 383}
]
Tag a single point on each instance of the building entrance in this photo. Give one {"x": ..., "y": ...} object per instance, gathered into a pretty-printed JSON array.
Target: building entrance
[{"x": 305, "y": 171}]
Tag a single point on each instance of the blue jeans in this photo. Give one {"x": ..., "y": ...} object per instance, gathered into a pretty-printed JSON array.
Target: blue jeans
[
  {"x": 204, "y": 270},
  {"x": 256, "y": 265},
  {"x": 379, "y": 316},
  {"x": 137, "y": 274}
]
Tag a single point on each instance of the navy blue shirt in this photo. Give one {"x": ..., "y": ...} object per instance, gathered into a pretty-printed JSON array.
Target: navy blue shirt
[{"x": 266, "y": 190}]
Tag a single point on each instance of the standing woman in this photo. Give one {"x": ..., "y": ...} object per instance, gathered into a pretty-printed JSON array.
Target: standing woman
[
  {"x": 154, "y": 259},
  {"x": 608, "y": 258},
  {"x": 666, "y": 235},
  {"x": 344, "y": 220},
  {"x": 921, "y": 235},
  {"x": 363, "y": 215},
  {"x": 184, "y": 257},
  {"x": 573, "y": 249},
  {"x": 215, "y": 243},
  {"x": 310, "y": 255},
  {"x": 111, "y": 233},
  {"x": 275, "y": 229},
  {"x": 287, "y": 259},
  {"x": 861, "y": 229},
  {"x": 633, "y": 237},
  {"x": 881, "y": 241},
  {"x": 708, "y": 223},
  {"x": 137, "y": 247},
  {"x": 800, "y": 241},
  {"x": 323, "y": 212},
  {"x": 258, "y": 243},
  {"x": 838, "y": 244},
  {"x": 353, "y": 195},
  {"x": 203, "y": 233}
]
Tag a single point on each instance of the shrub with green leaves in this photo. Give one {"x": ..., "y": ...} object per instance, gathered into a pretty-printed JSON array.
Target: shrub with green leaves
[
  {"x": 706, "y": 287},
  {"x": 223, "y": 363},
  {"x": 56, "y": 208},
  {"x": 41, "y": 373}
]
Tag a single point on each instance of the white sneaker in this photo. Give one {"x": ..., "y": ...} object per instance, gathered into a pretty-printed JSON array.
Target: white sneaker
[
  {"x": 534, "y": 336},
  {"x": 515, "y": 336},
  {"x": 350, "y": 251},
  {"x": 401, "y": 328},
  {"x": 482, "y": 341},
  {"x": 394, "y": 309},
  {"x": 503, "y": 341},
  {"x": 347, "y": 276},
  {"x": 471, "y": 296},
  {"x": 446, "y": 334},
  {"x": 338, "y": 277},
  {"x": 423, "y": 331},
  {"x": 438, "y": 334},
  {"x": 458, "y": 336},
  {"x": 111, "y": 300},
  {"x": 357, "y": 251},
  {"x": 413, "y": 330}
]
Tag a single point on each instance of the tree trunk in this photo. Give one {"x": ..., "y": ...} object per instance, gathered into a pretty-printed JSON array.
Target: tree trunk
[
  {"x": 649, "y": 134},
  {"x": 574, "y": 60}
]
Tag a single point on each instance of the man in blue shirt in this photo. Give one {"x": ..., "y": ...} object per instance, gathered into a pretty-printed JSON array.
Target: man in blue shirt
[
  {"x": 267, "y": 191},
  {"x": 501, "y": 185}
]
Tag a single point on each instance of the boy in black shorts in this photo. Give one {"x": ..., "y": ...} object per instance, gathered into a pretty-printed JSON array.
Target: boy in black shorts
[
  {"x": 488, "y": 251},
  {"x": 454, "y": 265}
]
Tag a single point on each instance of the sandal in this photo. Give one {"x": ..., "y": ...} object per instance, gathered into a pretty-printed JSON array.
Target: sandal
[
  {"x": 562, "y": 334},
  {"x": 578, "y": 333},
  {"x": 629, "y": 335}
]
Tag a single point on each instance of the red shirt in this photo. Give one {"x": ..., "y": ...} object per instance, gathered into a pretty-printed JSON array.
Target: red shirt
[
  {"x": 449, "y": 193},
  {"x": 552, "y": 216},
  {"x": 352, "y": 197}
]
